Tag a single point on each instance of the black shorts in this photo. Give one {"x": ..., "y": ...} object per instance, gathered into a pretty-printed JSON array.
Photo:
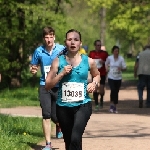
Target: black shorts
[
  {"x": 48, "y": 102},
  {"x": 103, "y": 80}
]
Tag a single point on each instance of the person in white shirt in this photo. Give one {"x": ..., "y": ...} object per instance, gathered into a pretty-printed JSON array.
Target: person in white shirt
[{"x": 114, "y": 64}]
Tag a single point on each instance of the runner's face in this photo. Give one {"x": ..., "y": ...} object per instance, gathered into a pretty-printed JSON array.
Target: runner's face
[
  {"x": 73, "y": 42},
  {"x": 116, "y": 52},
  {"x": 49, "y": 40},
  {"x": 98, "y": 46}
]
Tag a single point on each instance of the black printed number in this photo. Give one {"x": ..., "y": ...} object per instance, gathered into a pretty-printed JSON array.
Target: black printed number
[{"x": 69, "y": 93}]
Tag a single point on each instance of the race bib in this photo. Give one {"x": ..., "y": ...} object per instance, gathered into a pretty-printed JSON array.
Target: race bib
[
  {"x": 46, "y": 70},
  {"x": 72, "y": 92},
  {"x": 98, "y": 64},
  {"x": 115, "y": 72}
]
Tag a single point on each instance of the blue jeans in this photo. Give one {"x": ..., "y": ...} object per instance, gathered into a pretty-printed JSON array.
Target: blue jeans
[{"x": 144, "y": 81}]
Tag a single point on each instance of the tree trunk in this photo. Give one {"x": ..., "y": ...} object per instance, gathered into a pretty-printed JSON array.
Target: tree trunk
[
  {"x": 131, "y": 49},
  {"x": 16, "y": 80},
  {"x": 102, "y": 25}
]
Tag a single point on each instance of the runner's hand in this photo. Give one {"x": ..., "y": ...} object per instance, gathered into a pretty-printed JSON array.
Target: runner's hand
[
  {"x": 91, "y": 87},
  {"x": 67, "y": 69},
  {"x": 119, "y": 69},
  {"x": 34, "y": 69},
  {"x": 107, "y": 68}
]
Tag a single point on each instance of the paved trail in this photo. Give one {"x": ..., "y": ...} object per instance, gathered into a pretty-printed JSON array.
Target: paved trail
[{"x": 127, "y": 130}]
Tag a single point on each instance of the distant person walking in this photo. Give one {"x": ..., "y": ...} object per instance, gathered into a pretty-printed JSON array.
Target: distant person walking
[
  {"x": 99, "y": 57},
  {"x": 140, "y": 93},
  {"x": 115, "y": 64},
  {"x": 142, "y": 69}
]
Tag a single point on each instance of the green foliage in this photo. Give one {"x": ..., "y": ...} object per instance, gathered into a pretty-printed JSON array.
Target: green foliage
[
  {"x": 127, "y": 21},
  {"x": 22, "y": 22},
  {"x": 19, "y": 133},
  {"x": 25, "y": 96},
  {"x": 79, "y": 17},
  {"x": 96, "y": 4},
  {"x": 21, "y": 26}
]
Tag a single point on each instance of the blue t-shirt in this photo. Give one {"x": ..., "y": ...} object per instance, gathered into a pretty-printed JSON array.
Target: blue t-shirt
[
  {"x": 44, "y": 59},
  {"x": 79, "y": 74}
]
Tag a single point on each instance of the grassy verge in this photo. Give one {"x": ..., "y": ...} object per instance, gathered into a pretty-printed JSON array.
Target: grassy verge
[
  {"x": 18, "y": 133},
  {"x": 25, "y": 96}
]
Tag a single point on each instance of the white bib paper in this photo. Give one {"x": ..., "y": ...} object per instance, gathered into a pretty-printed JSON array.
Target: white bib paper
[
  {"x": 115, "y": 72},
  {"x": 72, "y": 92},
  {"x": 98, "y": 64},
  {"x": 46, "y": 70}
]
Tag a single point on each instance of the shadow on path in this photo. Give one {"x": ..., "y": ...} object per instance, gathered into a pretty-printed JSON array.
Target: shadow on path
[{"x": 125, "y": 107}]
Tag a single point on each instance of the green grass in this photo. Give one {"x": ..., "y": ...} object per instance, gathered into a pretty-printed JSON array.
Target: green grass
[
  {"x": 129, "y": 73},
  {"x": 18, "y": 133},
  {"x": 25, "y": 96}
]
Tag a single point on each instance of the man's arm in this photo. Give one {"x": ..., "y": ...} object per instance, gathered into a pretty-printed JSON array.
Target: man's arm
[
  {"x": 51, "y": 81},
  {"x": 136, "y": 65},
  {"x": 34, "y": 62},
  {"x": 136, "y": 68}
]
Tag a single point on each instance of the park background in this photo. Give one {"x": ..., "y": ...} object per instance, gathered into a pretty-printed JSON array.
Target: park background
[{"x": 115, "y": 22}]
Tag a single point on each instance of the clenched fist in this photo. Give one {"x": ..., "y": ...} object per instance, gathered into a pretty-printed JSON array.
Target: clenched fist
[
  {"x": 34, "y": 69},
  {"x": 91, "y": 87},
  {"x": 67, "y": 69}
]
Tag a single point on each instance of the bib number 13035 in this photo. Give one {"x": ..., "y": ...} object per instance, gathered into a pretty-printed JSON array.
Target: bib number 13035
[{"x": 72, "y": 91}]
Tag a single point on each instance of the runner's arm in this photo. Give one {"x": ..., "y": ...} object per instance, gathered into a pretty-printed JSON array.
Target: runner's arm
[
  {"x": 94, "y": 71},
  {"x": 52, "y": 79},
  {"x": 107, "y": 64},
  {"x": 123, "y": 65},
  {"x": 34, "y": 62}
]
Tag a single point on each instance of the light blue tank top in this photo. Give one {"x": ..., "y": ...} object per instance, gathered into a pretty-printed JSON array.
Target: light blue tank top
[{"x": 79, "y": 74}]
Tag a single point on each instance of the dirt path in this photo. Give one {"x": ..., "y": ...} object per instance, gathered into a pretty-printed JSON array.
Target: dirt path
[{"x": 127, "y": 130}]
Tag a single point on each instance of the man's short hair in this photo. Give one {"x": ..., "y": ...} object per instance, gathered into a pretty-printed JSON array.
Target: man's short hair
[
  {"x": 96, "y": 42},
  {"x": 48, "y": 31}
]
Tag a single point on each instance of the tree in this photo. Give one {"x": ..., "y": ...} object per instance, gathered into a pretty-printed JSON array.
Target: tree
[
  {"x": 126, "y": 20},
  {"x": 102, "y": 25},
  {"x": 21, "y": 25}
]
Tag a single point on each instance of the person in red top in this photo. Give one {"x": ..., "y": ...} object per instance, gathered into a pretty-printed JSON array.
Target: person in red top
[{"x": 100, "y": 57}]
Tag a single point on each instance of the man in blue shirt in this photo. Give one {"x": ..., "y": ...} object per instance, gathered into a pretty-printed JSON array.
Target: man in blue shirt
[{"x": 43, "y": 56}]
